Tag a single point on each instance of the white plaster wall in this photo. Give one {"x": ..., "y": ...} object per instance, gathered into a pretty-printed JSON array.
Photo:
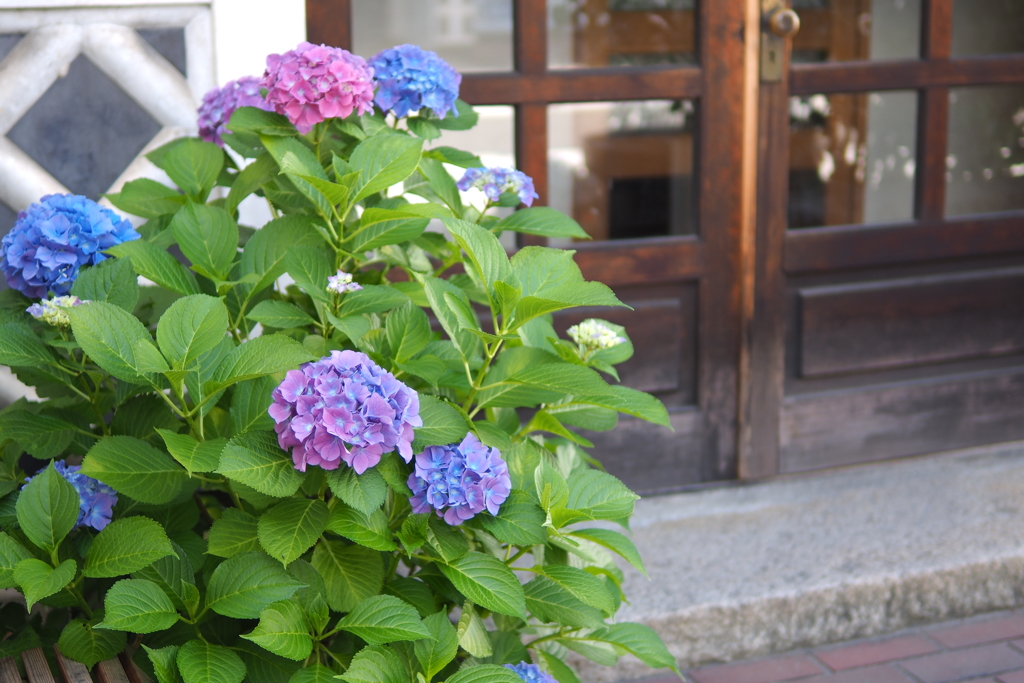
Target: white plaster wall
[{"x": 246, "y": 31}]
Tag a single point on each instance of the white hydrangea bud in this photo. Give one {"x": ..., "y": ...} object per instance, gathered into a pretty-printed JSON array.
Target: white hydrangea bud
[
  {"x": 51, "y": 311},
  {"x": 593, "y": 335}
]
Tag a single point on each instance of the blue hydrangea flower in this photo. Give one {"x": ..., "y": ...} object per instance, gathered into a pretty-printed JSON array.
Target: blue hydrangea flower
[
  {"x": 459, "y": 480},
  {"x": 496, "y": 181},
  {"x": 97, "y": 500},
  {"x": 410, "y": 78},
  {"x": 53, "y": 238},
  {"x": 531, "y": 673}
]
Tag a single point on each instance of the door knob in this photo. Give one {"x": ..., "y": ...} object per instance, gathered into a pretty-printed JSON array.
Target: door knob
[{"x": 784, "y": 23}]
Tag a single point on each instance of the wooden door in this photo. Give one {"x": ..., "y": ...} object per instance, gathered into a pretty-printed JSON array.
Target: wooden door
[
  {"x": 652, "y": 96},
  {"x": 889, "y": 292}
]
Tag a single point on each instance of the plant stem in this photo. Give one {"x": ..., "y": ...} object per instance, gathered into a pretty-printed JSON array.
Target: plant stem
[{"x": 522, "y": 551}]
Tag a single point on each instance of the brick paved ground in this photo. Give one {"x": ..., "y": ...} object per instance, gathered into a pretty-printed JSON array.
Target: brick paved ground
[{"x": 986, "y": 649}]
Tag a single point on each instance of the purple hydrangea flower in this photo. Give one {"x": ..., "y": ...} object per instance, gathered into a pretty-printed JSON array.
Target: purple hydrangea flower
[
  {"x": 97, "y": 500},
  {"x": 51, "y": 311},
  {"x": 342, "y": 282},
  {"x": 459, "y": 480},
  {"x": 220, "y": 103},
  {"x": 531, "y": 673},
  {"x": 53, "y": 238},
  {"x": 411, "y": 78},
  {"x": 315, "y": 82},
  {"x": 495, "y": 181},
  {"x": 344, "y": 407}
]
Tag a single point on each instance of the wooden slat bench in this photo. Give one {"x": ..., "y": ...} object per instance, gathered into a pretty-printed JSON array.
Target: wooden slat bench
[{"x": 37, "y": 670}]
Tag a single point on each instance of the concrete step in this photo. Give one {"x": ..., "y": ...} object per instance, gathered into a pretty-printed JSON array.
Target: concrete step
[{"x": 815, "y": 559}]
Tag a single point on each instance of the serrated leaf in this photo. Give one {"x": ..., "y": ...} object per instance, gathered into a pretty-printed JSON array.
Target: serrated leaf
[
  {"x": 20, "y": 348},
  {"x": 265, "y": 252},
  {"x": 434, "y": 653},
  {"x": 450, "y": 542},
  {"x": 208, "y": 236},
  {"x": 243, "y": 585},
  {"x": 112, "y": 280},
  {"x": 351, "y": 573},
  {"x": 249, "y": 404},
  {"x": 486, "y": 254},
  {"x": 380, "y": 227},
  {"x": 39, "y": 580},
  {"x": 41, "y": 436},
  {"x": 255, "y": 459},
  {"x": 280, "y": 314},
  {"x": 520, "y": 521},
  {"x": 485, "y": 673},
  {"x": 317, "y": 673},
  {"x": 146, "y": 198},
  {"x": 234, "y": 533},
  {"x": 383, "y": 619},
  {"x": 544, "y": 221},
  {"x": 584, "y": 586},
  {"x": 488, "y": 582},
  {"x": 368, "y": 530},
  {"x": 291, "y": 527},
  {"x": 194, "y": 456},
  {"x": 157, "y": 265},
  {"x": 124, "y": 546},
  {"x": 562, "y": 672},
  {"x": 191, "y": 326},
  {"x": 472, "y": 632},
  {"x": 137, "y": 606},
  {"x": 133, "y": 467},
  {"x": 408, "y": 331},
  {"x": 372, "y": 299},
  {"x": 384, "y": 160},
  {"x": 82, "y": 643},
  {"x": 310, "y": 268},
  {"x": 435, "y": 289},
  {"x": 164, "y": 664},
  {"x": 595, "y": 495},
  {"x": 175, "y": 577},
  {"x": 264, "y": 666},
  {"x": 375, "y": 664},
  {"x": 47, "y": 509},
  {"x": 640, "y": 641},
  {"x": 283, "y": 630},
  {"x": 614, "y": 541},
  {"x": 116, "y": 341},
  {"x": 551, "y": 602},
  {"x": 261, "y": 356},
  {"x": 414, "y": 592},
  {"x": 365, "y": 492},
  {"x": 442, "y": 423},
  {"x": 202, "y": 662},
  {"x": 11, "y": 553},
  {"x": 192, "y": 164}
]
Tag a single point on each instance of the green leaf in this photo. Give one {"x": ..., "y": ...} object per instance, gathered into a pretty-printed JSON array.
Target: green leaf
[
  {"x": 280, "y": 314},
  {"x": 584, "y": 586},
  {"x": 11, "y": 553},
  {"x": 543, "y": 421},
  {"x": 318, "y": 673},
  {"x": 488, "y": 582},
  {"x": 283, "y": 630},
  {"x": 369, "y": 530},
  {"x": 434, "y": 653},
  {"x": 450, "y": 542},
  {"x": 562, "y": 672},
  {"x": 442, "y": 423},
  {"x": 255, "y": 459},
  {"x": 485, "y": 673},
  {"x": 48, "y": 509},
  {"x": 351, "y": 573},
  {"x": 194, "y": 456},
  {"x": 291, "y": 527},
  {"x": 552, "y": 490},
  {"x": 413, "y": 533},
  {"x": 192, "y": 164},
  {"x": 41, "y": 436},
  {"x": 436, "y": 288},
  {"x": 164, "y": 664},
  {"x": 112, "y": 280},
  {"x": 153, "y": 263},
  {"x": 261, "y": 356},
  {"x": 486, "y": 254},
  {"x": 208, "y": 236},
  {"x": 384, "y": 160},
  {"x": 423, "y": 128},
  {"x": 19, "y": 347},
  {"x": 265, "y": 667},
  {"x": 265, "y": 252},
  {"x": 376, "y": 664},
  {"x": 234, "y": 533},
  {"x": 82, "y": 643},
  {"x": 520, "y": 521},
  {"x": 551, "y": 280},
  {"x": 372, "y": 299},
  {"x": 551, "y": 602},
  {"x": 243, "y": 585},
  {"x": 442, "y": 183},
  {"x": 310, "y": 268},
  {"x": 408, "y": 331},
  {"x": 640, "y": 641},
  {"x": 39, "y": 580},
  {"x": 201, "y": 662},
  {"x": 614, "y": 541},
  {"x": 146, "y": 198},
  {"x": 249, "y": 180},
  {"x": 631, "y": 402},
  {"x": 134, "y": 468},
  {"x": 174, "y": 575},
  {"x": 383, "y": 619},
  {"x": 595, "y": 495},
  {"x": 380, "y": 227},
  {"x": 414, "y": 592},
  {"x": 472, "y": 632},
  {"x": 542, "y": 220},
  {"x": 137, "y": 606},
  {"x": 254, "y": 120},
  {"x": 466, "y": 118},
  {"x": 455, "y": 157},
  {"x": 507, "y": 648},
  {"x": 365, "y": 492},
  {"x": 192, "y": 326},
  {"x": 249, "y": 404},
  {"x": 124, "y": 546},
  {"x": 116, "y": 341}
]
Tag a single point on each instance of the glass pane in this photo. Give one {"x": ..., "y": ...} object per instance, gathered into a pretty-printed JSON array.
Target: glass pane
[
  {"x": 985, "y": 27},
  {"x": 596, "y": 33},
  {"x": 624, "y": 169},
  {"x": 852, "y": 158},
  {"x": 472, "y": 35},
  {"x": 985, "y": 166},
  {"x": 843, "y": 30}
]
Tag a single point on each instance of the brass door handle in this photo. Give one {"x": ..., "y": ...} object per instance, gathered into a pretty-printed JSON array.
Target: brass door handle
[{"x": 784, "y": 23}]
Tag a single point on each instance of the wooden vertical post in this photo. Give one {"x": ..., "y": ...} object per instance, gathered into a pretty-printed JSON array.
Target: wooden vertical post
[
  {"x": 933, "y": 114},
  {"x": 531, "y": 128},
  {"x": 329, "y": 22}
]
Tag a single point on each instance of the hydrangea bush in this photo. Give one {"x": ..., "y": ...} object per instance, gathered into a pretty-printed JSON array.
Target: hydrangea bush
[{"x": 343, "y": 445}]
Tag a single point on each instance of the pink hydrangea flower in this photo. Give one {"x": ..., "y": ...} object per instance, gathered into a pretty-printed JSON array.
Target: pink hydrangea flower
[{"x": 315, "y": 82}]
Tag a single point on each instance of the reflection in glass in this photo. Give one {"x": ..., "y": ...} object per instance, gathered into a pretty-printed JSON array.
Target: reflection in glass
[
  {"x": 985, "y": 161},
  {"x": 472, "y": 35},
  {"x": 852, "y": 159},
  {"x": 624, "y": 169},
  {"x": 844, "y": 30},
  {"x": 986, "y": 27},
  {"x": 597, "y": 33}
]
